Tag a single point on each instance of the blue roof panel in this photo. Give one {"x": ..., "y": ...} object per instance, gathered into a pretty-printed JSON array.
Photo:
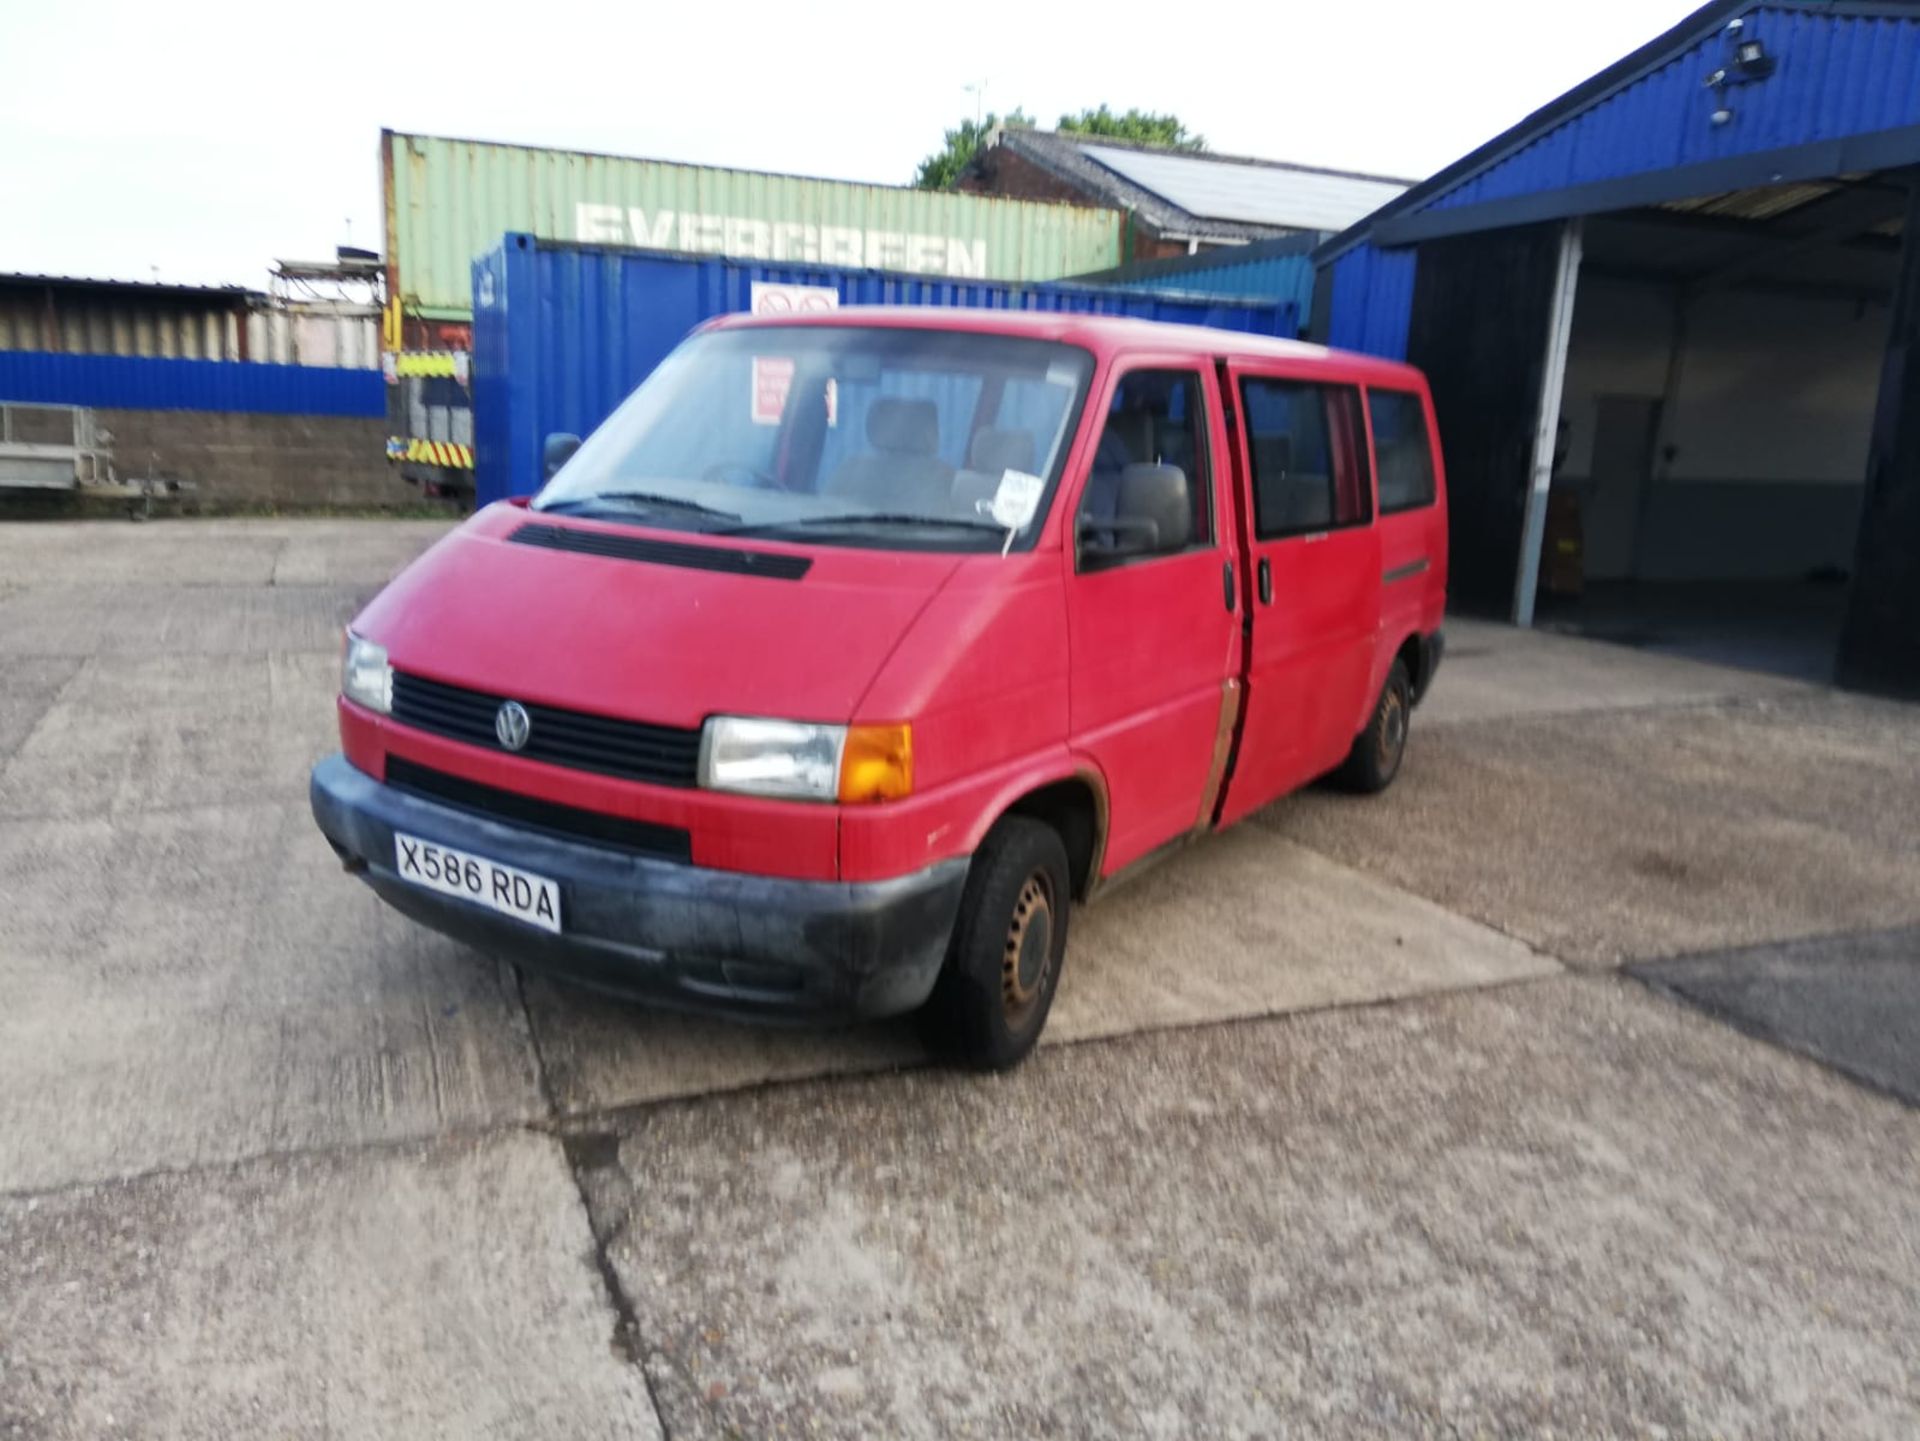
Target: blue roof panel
[{"x": 1839, "y": 74}]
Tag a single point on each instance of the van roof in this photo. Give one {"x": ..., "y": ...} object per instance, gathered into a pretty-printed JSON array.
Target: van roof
[{"x": 1103, "y": 334}]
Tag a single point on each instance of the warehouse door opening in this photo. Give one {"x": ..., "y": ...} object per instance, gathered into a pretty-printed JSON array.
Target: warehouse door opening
[{"x": 1721, "y": 381}]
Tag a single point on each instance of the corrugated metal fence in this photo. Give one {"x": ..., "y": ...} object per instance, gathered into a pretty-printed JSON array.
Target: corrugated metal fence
[
  {"x": 126, "y": 383},
  {"x": 70, "y": 317}
]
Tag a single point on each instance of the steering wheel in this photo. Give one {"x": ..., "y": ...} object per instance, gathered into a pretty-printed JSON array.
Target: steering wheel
[{"x": 735, "y": 472}]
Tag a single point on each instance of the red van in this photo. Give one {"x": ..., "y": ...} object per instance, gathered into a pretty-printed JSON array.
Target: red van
[{"x": 855, "y": 648}]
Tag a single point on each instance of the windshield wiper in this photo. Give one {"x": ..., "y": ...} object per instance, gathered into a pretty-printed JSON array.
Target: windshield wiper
[
  {"x": 865, "y": 517},
  {"x": 644, "y": 497}
]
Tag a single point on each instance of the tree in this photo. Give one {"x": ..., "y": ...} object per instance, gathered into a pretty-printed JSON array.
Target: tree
[
  {"x": 1142, "y": 127},
  {"x": 941, "y": 170}
]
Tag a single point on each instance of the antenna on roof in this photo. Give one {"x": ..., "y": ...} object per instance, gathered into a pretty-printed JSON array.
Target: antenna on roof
[{"x": 978, "y": 90}]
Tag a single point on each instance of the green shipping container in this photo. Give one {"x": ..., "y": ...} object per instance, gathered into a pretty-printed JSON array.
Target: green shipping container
[{"x": 448, "y": 201}]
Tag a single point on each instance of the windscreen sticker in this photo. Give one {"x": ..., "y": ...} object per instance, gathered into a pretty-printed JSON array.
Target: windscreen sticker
[{"x": 1017, "y": 498}]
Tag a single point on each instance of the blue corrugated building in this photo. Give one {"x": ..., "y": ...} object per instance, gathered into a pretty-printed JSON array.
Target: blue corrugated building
[{"x": 1667, "y": 319}]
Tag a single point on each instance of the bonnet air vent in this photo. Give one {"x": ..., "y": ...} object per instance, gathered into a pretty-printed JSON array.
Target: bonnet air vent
[{"x": 727, "y": 560}]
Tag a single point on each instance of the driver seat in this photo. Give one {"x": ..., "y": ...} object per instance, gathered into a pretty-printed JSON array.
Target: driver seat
[{"x": 902, "y": 469}]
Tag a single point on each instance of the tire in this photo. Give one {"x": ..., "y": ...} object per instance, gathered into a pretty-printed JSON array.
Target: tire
[
  {"x": 1378, "y": 750},
  {"x": 1003, "y": 965}
]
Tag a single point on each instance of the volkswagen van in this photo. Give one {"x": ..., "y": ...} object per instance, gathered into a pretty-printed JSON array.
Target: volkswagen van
[{"x": 856, "y": 650}]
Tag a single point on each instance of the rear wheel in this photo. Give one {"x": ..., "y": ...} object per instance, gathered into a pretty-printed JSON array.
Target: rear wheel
[
  {"x": 1378, "y": 750},
  {"x": 1003, "y": 965}
]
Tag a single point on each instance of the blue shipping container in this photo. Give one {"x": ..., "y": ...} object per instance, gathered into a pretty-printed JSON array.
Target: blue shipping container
[
  {"x": 563, "y": 333},
  {"x": 123, "y": 382}
]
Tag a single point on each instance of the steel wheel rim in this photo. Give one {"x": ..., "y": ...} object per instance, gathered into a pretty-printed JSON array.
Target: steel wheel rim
[
  {"x": 1027, "y": 960},
  {"x": 1393, "y": 730}
]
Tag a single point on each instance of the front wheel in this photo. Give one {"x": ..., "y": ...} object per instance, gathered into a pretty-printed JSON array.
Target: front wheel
[
  {"x": 1003, "y": 965},
  {"x": 1378, "y": 750}
]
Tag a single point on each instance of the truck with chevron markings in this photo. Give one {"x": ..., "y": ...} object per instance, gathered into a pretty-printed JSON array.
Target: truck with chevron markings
[{"x": 429, "y": 414}]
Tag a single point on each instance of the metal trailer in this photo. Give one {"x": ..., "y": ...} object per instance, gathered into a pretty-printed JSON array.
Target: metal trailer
[{"x": 563, "y": 333}]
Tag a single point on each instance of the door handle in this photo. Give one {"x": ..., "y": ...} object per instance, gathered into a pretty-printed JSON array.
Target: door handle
[
  {"x": 1226, "y": 585},
  {"x": 1266, "y": 583}
]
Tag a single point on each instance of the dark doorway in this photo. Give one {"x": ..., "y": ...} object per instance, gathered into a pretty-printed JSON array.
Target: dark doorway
[
  {"x": 1722, "y": 380},
  {"x": 1478, "y": 328}
]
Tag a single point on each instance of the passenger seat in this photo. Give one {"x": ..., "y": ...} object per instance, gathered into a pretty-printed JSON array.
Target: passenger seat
[{"x": 992, "y": 454}]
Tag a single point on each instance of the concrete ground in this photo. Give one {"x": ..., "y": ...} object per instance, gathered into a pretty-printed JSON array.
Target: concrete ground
[{"x": 1348, "y": 1120}]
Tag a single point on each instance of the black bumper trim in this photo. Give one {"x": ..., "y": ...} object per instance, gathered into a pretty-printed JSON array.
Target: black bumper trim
[
  {"x": 594, "y": 828},
  {"x": 682, "y": 936}
]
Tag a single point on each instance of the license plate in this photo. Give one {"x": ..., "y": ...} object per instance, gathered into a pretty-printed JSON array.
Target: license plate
[{"x": 511, "y": 892}]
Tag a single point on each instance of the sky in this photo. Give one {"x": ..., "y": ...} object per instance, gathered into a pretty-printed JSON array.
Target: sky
[{"x": 197, "y": 142}]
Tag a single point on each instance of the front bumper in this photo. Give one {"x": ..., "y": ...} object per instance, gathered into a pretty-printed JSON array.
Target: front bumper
[{"x": 674, "y": 935}]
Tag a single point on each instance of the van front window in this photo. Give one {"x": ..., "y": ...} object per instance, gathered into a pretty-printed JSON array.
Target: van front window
[{"x": 892, "y": 438}]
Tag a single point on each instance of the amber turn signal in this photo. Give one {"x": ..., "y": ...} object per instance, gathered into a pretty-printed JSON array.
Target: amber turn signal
[{"x": 877, "y": 764}]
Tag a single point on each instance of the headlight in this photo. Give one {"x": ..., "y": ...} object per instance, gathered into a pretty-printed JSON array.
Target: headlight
[
  {"x": 771, "y": 758},
  {"x": 795, "y": 761},
  {"x": 365, "y": 676}
]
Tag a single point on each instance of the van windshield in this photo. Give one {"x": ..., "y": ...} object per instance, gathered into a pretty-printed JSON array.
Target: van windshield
[{"x": 876, "y": 437}]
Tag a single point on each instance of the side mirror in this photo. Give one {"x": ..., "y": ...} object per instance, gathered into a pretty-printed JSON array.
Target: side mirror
[
  {"x": 555, "y": 452},
  {"x": 1109, "y": 542}
]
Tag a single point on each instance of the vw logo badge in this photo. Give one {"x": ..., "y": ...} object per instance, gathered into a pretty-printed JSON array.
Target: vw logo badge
[{"x": 512, "y": 725}]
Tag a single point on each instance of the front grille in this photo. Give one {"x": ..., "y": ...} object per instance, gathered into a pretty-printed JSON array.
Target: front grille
[
  {"x": 631, "y": 750},
  {"x": 729, "y": 560},
  {"x": 566, "y": 822}
]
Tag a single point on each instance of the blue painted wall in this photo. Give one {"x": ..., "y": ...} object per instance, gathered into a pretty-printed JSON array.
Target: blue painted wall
[
  {"x": 134, "y": 383},
  {"x": 563, "y": 333}
]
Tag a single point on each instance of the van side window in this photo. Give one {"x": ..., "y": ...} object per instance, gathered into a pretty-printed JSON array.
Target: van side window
[
  {"x": 1156, "y": 422},
  {"x": 1309, "y": 457},
  {"x": 1400, "y": 443}
]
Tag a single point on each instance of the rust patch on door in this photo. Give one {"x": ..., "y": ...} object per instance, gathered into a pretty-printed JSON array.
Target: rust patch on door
[{"x": 1222, "y": 748}]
